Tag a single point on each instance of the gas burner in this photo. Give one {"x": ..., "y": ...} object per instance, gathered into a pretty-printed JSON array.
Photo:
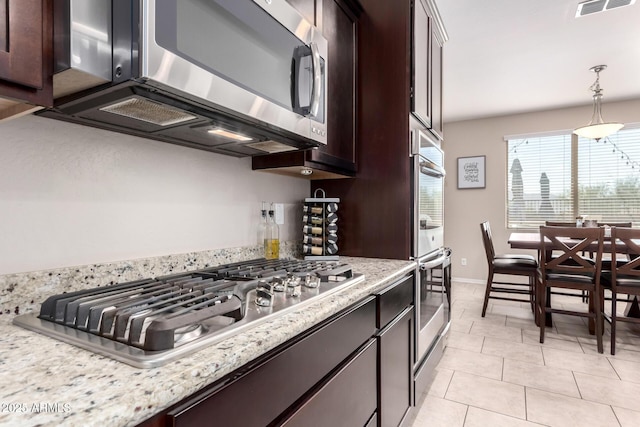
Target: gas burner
[{"x": 149, "y": 322}]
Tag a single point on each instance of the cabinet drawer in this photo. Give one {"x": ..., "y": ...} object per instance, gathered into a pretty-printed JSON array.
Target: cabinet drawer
[
  {"x": 347, "y": 399},
  {"x": 267, "y": 389},
  {"x": 393, "y": 299}
]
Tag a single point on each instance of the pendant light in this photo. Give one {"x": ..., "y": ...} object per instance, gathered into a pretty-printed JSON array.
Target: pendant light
[{"x": 597, "y": 128}]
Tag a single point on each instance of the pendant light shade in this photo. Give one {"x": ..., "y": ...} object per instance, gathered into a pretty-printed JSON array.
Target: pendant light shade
[{"x": 597, "y": 128}]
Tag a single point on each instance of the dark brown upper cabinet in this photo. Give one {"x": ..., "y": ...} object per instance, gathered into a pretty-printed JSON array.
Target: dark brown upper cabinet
[
  {"x": 376, "y": 208},
  {"x": 426, "y": 79},
  {"x": 338, "y": 20},
  {"x": 26, "y": 55}
]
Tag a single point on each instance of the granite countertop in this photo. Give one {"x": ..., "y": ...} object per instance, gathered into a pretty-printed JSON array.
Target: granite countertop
[{"x": 48, "y": 382}]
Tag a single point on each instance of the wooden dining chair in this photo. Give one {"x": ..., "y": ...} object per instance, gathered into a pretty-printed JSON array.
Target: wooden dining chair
[
  {"x": 508, "y": 264},
  {"x": 624, "y": 278},
  {"x": 571, "y": 269}
]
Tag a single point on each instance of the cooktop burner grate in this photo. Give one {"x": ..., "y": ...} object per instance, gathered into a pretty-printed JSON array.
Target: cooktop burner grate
[{"x": 148, "y": 322}]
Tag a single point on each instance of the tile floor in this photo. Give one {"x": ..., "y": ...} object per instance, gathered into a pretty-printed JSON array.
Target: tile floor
[{"x": 495, "y": 372}]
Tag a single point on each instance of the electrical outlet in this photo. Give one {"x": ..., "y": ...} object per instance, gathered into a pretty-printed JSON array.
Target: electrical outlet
[
  {"x": 279, "y": 213},
  {"x": 463, "y": 261}
]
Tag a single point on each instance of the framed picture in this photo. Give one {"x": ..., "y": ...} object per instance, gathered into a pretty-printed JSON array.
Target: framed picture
[{"x": 471, "y": 172}]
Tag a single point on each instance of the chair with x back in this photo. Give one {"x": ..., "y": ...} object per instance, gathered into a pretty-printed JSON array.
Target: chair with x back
[
  {"x": 508, "y": 264},
  {"x": 569, "y": 268},
  {"x": 625, "y": 277}
]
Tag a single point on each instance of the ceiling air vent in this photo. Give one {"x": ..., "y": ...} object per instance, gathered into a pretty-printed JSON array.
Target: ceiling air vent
[
  {"x": 612, "y": 4},
  {"x": 595, "y": 6}
]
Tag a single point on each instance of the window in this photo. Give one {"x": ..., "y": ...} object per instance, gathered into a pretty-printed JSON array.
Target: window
[{"x": 559, "y": 177}]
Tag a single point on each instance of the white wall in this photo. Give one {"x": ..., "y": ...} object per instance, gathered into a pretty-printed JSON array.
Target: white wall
[
  {"x": 466, "y": 209},
  {"x": 74, "y": 195}
]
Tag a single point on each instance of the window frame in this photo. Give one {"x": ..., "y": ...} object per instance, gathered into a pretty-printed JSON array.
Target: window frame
[{"x": 574, "y": 187}]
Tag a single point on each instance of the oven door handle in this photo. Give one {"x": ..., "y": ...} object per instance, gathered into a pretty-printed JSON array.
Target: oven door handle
[
  {"x": 433, "y": 263},
  {"x": 429, "y": 168}
]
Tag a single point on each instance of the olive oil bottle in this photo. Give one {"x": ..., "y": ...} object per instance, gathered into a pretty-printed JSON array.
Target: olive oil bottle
[{"x": 272, "y": 237}]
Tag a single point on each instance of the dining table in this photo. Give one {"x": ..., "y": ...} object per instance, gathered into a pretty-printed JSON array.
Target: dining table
[{"x": 531, "y": 240}]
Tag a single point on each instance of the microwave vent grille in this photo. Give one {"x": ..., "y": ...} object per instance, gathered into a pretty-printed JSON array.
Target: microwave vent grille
[{"x": 148, "y": 111}]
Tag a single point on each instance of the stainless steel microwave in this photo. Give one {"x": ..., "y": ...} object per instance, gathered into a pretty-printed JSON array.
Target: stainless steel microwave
[{"x": 239, "y": 77}]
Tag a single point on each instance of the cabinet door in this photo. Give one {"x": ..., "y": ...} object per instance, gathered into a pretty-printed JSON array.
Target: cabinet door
[
  {"x": 396, "y": 369},
  {"x": 421, "y": 79},
  {"x": 338, "y": 25},
  {"x": 257, "y": 395},
  {"x": 436, "y": 84},
  {"x": 348, "y": 398},
  {"x": 26, "y": 46}
]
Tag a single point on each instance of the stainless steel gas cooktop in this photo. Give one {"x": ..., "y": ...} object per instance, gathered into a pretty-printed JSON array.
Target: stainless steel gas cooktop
[{"x": 149, "y": 322}]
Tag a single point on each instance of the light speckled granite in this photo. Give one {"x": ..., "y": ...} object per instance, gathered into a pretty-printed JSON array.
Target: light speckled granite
[
  {"x": 24, "y": 292},
  {"x": 79, "y": 388}
]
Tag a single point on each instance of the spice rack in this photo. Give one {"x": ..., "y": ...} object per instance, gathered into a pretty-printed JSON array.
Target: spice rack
[{"x": 320, "y": 229}]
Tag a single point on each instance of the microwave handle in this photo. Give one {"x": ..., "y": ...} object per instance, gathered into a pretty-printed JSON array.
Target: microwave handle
[{"x": 317, "y": 79}]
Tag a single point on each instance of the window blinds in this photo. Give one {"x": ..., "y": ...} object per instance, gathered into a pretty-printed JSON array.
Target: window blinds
[
  {"x": 539, "y": 180},
  {"x": 559, "y": 177}
]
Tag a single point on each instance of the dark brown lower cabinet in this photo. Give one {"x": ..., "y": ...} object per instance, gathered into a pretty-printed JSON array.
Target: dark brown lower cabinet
[
  {"x": 396, "y": 364},
  {"x": 395, "y": 352},
  {"x": 301, "y": 377},
  {"x": 348, "y": 398}
]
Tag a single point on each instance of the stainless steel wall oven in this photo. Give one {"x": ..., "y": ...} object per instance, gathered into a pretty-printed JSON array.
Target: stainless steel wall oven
[{"x": 433, "y": 266}]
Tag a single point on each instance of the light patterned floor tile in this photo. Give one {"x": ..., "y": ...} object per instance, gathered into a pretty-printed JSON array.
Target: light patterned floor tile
[
  {"x": 551, "y": 341},
  {"x": 627, "y": 417},
  {"x": 497, "y": 331},
  {"x": 512, "y": 350},
  {"x": 527, "y": 324},
  {"x": 504, "y": 382},
  {"x": 577, "y": 330},
  {"x": 626, "y": 370},
  {"x": 441, "y": 382},
  {"x": 513, "y": 311},
  {"x": 465, "y": 341},
  {"x": 489, "y": 319},
  {"x": 472, "y": 362},
  {"x": 436, "y": 412},
  {"x": 460, "y": 325},
  {"x": 553, "y": 410},
  {"x": 477, "y": 417},
  {"x": 554, "y": 380},
  {"x": 586, "y": 363},
  {"x": 485, "y": 393},
  {"x": 623, "y": 394}
]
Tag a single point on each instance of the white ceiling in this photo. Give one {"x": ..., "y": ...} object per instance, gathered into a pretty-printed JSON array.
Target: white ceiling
[{"x": 514, "y": 56}]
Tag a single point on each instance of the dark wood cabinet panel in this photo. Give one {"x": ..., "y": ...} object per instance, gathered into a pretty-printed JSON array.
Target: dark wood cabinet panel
[
  {"x": 396, "y": 348},
  {"x": 436, "y": 84},
  {"x": 347, "y": 399},
  {"x": 375, "y": 208},
  {"x": 280, "y": 379},
  {"x": 339, "y": 28},
  {"x": 338, "y": 20},
  {"x": 421, "y": 64},
  {"x": 396, "y": 369},
  {"x": 394, "y": 299},
  {"x": 426, "y": 90},
  {"x": 26, "y": 51}
]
